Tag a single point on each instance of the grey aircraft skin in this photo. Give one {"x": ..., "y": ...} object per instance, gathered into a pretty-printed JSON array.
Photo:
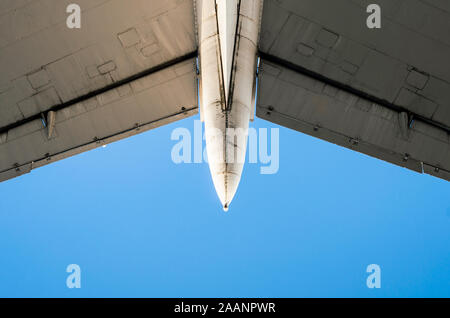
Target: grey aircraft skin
[{"x": 324, "y": 70}]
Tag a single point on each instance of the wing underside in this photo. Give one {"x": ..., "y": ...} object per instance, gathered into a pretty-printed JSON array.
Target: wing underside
[
  {"x": 383, "y": 92},
  {"x": 65, "y": 91}
]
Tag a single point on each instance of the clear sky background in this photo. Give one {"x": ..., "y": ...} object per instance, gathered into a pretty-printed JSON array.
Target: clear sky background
[{"x": 140, "y": 226}]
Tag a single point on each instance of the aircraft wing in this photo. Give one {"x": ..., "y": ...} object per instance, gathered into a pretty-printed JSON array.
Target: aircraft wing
[
  {"x": 383, "y": 92},
  {"x": 130, "y": 67}
]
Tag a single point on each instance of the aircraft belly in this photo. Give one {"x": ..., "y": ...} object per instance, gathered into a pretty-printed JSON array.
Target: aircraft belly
[{"x": 227, "y": 83}]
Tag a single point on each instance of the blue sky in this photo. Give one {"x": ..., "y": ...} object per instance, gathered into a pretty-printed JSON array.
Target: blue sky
[{"x": 140, "y": 226}]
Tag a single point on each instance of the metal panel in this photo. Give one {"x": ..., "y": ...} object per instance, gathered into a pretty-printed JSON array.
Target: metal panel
[
  {"x": 126, "y": 110},
  {"x": 64, "y": 91},
  {"x": 44, "y": 63},
  {"x": 405, "y": 63},
  {"x": 311, "y": 106},
  {"x": 383, "y": 92}
]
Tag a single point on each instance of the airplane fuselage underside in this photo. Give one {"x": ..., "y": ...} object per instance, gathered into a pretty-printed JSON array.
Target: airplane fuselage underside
[{"x": 228, "y": 35}]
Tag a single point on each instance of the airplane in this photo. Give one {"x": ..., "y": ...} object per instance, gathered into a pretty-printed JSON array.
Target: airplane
[{"x": 374, "y": 82}]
